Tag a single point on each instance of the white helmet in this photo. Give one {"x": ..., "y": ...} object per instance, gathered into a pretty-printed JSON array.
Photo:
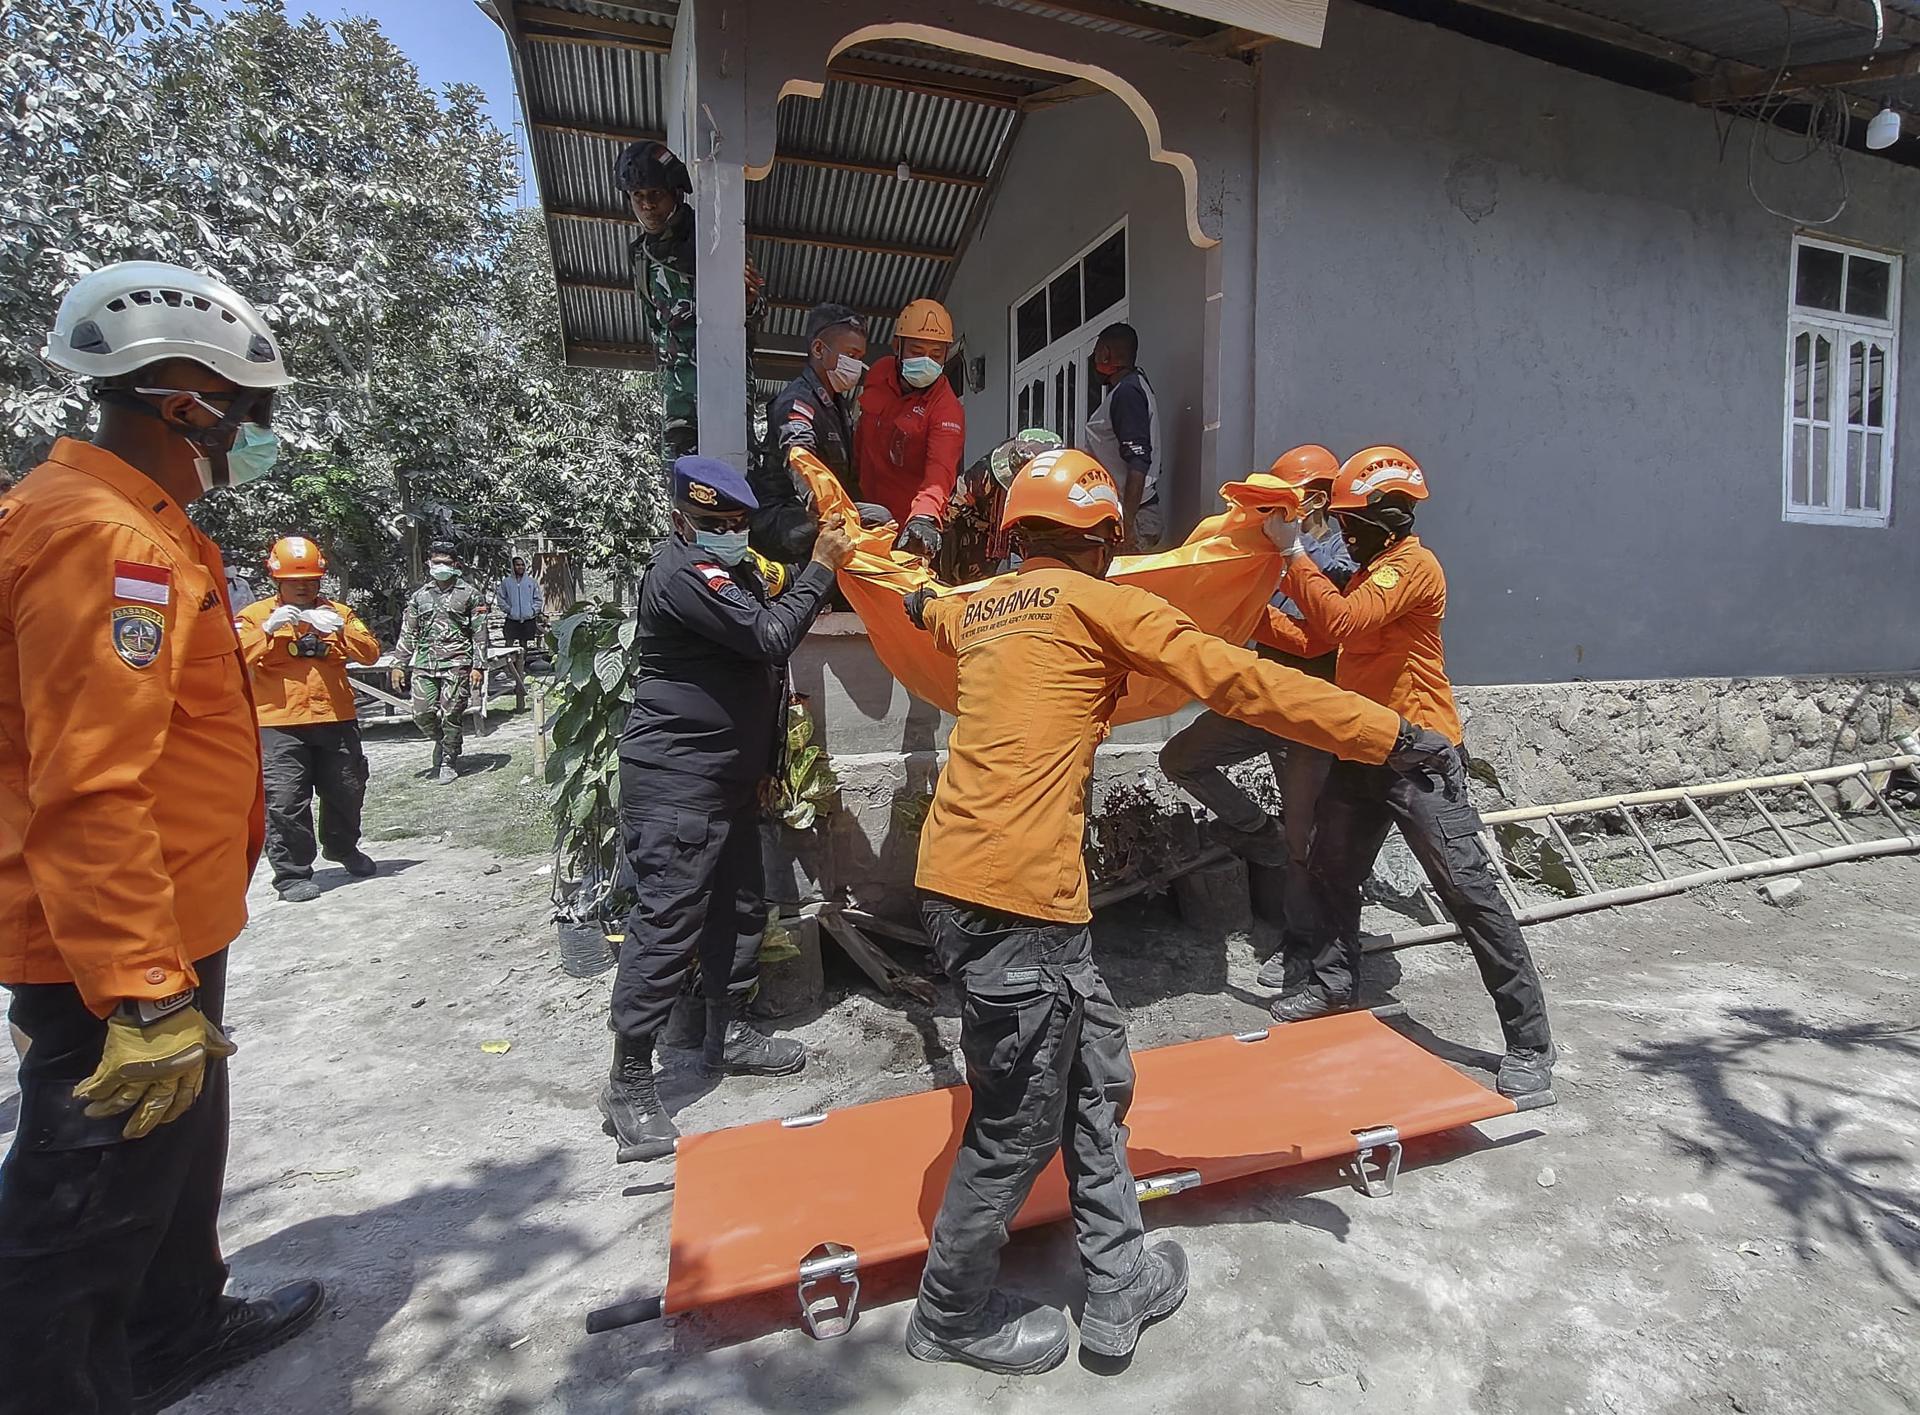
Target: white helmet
[{"x": 125, "y": 316}]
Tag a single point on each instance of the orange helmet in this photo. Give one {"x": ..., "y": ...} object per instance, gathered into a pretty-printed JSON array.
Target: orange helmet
[
  {"x": 295, "y": 558},
  {"x": 925, "y": 319},
  {"x": 1067, "y": 488},
  {"x": 1375, "y": 471},
  {"x": 1307, "y": 463}
]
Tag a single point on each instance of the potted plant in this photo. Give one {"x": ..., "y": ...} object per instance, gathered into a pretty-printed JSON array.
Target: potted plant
[{"x": 794, "y": 843}]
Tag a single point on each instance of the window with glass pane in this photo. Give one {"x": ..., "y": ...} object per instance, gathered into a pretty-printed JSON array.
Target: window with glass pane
[
  {"x": 1063, "y": 301},
  {"x": 1030, "y": 327},
  {"x": 1842, "y": 368},
  {"x": 1106, "y": 273}
]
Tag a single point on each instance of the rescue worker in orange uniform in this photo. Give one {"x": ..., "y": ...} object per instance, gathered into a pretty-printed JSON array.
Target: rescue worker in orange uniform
[
  {"x": 298, "y": 646},
  {"x": 911, "y": 434},
  {"x": 130, "y": 820},
  {"x": 1044, "y": 656},
  {"x": 1386, "y": 625}
]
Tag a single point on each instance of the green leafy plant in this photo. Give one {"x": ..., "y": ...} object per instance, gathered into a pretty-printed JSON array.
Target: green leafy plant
[
  {"x": 804, "y": 788},
  {"x": 594, "y": 657}
]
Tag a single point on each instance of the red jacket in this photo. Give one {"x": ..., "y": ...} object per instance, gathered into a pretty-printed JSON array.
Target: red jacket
[{"x": 908, "y": 444}]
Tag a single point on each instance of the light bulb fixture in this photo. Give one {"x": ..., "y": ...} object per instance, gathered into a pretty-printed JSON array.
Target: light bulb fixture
[
  {"x": 903, "y": 173},
  {"x": 1884, "y": 130}
]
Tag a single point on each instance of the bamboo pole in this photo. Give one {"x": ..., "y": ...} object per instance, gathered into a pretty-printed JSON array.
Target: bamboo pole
[{"x": 1787, "y": 780}]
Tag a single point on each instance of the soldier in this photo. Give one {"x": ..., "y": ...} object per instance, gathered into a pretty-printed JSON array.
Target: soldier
[
  {"x": 656, "y": 185},
  {"x": 814, "y": 413},
  {"x": 443, "y": 639}
]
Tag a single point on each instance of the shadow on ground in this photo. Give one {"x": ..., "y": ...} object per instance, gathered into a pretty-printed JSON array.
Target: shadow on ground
[{"x": 1829, "y": 1192}]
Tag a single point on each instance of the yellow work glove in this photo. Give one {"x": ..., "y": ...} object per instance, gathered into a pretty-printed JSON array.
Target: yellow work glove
[{"x": 155, "y": 1071}]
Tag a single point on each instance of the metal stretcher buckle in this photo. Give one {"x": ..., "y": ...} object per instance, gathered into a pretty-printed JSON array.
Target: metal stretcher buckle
[
  {"x": 1158, "y": 1186},
  {"x": 829, "y": 1314},
  {"x": 1380, "y": 1137}
]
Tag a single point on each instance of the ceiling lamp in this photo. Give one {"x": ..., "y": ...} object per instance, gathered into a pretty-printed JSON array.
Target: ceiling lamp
[{"x": 1884, "y": 130}]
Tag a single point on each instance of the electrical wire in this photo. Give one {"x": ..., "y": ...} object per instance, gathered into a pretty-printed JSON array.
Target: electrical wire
[{"x": 1828, "y": 124}]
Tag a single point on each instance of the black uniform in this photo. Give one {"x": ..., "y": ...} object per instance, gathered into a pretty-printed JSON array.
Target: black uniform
[
  {"x": 806, "y": 414},
  {"x": 706, "y": 718}
]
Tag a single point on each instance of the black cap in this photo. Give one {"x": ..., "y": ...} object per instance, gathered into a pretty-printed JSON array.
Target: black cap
[{"x": 651, "y": 164}]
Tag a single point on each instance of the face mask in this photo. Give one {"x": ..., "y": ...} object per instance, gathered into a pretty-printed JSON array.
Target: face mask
[
  {"x": 842, "y": 377},
  {"x": 919, "y": 372},
  {"x": 443, "y": 573},
  {"x": 728, "y": 547}
]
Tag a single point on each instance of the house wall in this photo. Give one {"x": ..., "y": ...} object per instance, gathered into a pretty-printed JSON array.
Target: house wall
[
  {"x": 1073, "y": 171},
  {"x": 1560, "y": 295}
]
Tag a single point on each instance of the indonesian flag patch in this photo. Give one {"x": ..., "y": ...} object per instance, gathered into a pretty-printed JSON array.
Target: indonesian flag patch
[
  {"x": 717, "y": 578},
  {"x": 803, "y": 410},
  {"x": 148, "y": 584}
]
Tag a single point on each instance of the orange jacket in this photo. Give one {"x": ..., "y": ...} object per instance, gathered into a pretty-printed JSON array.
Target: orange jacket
[
  {"x": 1387, "y": 627},
  {"x": 292, "y": 692},
  {"x": 1044, "y": 657},
  {"x": 131, "y": 808},
  {"x": 908, "y": 443}
]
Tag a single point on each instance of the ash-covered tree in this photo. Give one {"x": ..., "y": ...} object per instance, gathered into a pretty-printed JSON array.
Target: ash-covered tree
[{"x": 370, "y": 219}]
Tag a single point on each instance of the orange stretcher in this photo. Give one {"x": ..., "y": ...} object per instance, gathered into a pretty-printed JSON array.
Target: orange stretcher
[{"x": 1346, "y": 1086}]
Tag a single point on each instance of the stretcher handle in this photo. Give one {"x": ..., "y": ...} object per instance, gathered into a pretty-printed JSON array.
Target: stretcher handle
[{"x": 624, "y": 1314}]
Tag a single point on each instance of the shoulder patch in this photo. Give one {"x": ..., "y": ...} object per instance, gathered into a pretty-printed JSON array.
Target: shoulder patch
[
  {"x": 801, "y": 410},
  {"x": 716, "y": 576},
  {"x": 136, "y": 632},
  {"x": 1386, "y": 577},
  {"x": 149, "y": 584}
]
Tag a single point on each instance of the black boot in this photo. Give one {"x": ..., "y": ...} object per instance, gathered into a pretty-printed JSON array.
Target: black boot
[
  {"x": 239, "y": 1331},
  {"x": 630, "y": 1107},
  {"x": 1286, "y": 970},
  {"x": 733, "y": 1048},
  {"x": 1263, "y": 845},
  {"x": 1110, "y": 1324},
  {"x": 1310, "y": 1002},
  {"x": 1010, "y": 1337}
]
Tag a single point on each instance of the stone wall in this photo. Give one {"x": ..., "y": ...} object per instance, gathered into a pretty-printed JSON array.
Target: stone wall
[{"x": 1545, "y": 742}]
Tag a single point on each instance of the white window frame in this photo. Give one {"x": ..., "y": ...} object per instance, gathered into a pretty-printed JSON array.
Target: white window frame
[
  {"x": 1843, "y": 330},
  {"x": 1072, "y": 348}
]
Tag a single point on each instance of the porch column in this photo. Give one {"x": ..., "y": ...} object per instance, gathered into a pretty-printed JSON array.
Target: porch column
[{"x": 707, "y": 126}]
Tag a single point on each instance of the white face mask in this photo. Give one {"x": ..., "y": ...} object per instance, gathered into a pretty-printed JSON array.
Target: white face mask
[
  {"x": 845, "y": 375},
  {"x": 443, "y": 573}
]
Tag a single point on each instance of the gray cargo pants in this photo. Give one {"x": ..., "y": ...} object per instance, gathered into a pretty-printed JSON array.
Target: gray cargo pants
[{"x": 1047, "y": 1062}]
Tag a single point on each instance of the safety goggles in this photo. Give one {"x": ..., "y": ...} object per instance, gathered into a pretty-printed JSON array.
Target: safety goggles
[{"x": 244, "y": 405}]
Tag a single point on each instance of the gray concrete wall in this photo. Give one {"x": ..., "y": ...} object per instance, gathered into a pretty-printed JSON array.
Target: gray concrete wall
[
  {"x": 1559, "y": 294},
  {"x": 1073, "y": 172}
]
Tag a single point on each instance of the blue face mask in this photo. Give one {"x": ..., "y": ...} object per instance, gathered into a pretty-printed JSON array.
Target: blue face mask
[
  {"x": 728, "y": 547},
  {"x": 919, "y": 372}
]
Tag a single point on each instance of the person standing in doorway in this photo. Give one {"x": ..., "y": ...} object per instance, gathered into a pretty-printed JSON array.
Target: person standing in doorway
[
  {"x": 298, "y": 646},
  {"x": 912, "y": 433},
  {"x": 519, "y": 601},
  {"x": 131, "y": 817},
  {"x": 1123, "y": 434},
  {"x": 443, "y": 645}
]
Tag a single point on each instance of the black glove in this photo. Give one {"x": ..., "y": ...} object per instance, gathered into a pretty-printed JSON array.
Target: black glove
[
  {"x": 916, "y": 606},
  {"x": 1418, "y": 750},
  {"x": 920, "y": 536}
]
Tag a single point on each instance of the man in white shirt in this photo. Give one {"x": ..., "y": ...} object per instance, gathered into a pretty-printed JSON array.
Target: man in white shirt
[{"x": 519, "y": 600}]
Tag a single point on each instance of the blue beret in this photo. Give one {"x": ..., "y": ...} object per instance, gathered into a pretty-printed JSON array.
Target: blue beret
[{"x": 705, "y": 485}]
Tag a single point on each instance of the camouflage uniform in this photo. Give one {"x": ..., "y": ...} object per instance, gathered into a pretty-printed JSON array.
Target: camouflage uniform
[
  {"x": 663, "y": 277},
  {"x": 443, "y": 638}
]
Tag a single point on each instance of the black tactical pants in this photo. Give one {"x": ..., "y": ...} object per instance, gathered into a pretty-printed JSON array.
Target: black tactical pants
[
  {"x": 1047, "y": 1063},
  {"x": 1196, "y": 757},
  {"x": 695, "y": 850},
  {"x": 109, "y": 1247},
  {"x": 323, "y": 760},
  {"x": 1441, "y": 827}
]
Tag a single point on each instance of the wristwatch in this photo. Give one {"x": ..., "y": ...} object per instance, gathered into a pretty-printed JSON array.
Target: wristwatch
[{"x": 145, "y": 1011}]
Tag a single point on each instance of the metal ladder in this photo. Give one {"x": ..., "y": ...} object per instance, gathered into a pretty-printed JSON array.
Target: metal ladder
[{"x": 1794, "y": 854}]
